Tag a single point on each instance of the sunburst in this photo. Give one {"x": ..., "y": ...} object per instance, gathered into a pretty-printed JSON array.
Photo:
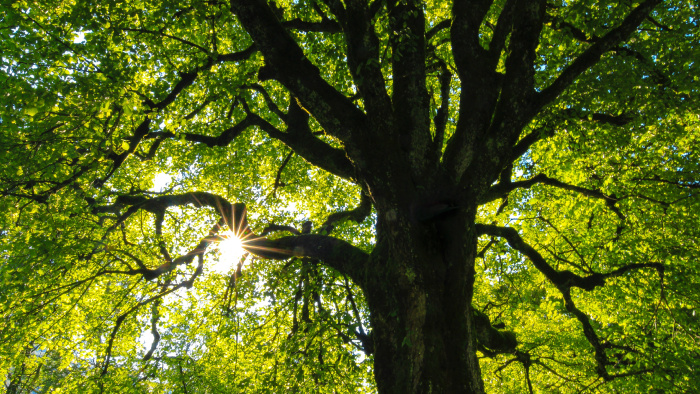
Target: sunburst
[{"x": 231, "y": 252}]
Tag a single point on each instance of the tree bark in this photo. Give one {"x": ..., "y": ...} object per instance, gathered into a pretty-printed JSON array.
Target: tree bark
[{"x": 419, "y": 290}]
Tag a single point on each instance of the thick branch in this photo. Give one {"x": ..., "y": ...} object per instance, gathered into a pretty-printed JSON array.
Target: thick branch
[
  {"x": 582, "y": 36},
  {"x": 270, "y": 228},
  {"x": 271, "y": 105},
  {"x": 232, "y": 215},
  {"x": 600, "y": 354},
  {"x": 155, "y": 316},
  {"x": 593, "y": 54},
  {"x": 502, "y": 189},
  {"x": 512, "y": 112},
  {"x": 528, "y": 140},
  {"x": 142, "y": 130},
  {"x": 363, "y": 60},
  {"x": 358, "y": 215},
  {"x": 440, "y": 119},
  {"x": 466, "y": 20},
  {"x": 410, "y": 95},
  {"x": 614, "y": 120},
  {"x": 278, "y": 178},
  {"x": 480, "y": 84},
  {"x": 139, "y": 133},
  {"x": 494, "y": 340},
  {"x": 298, "y": 137},
  {"x": 681, "y": 183},
  {"x": 301, "y": 140},
  {"x": 162, "y": 34},
  {"x": 437, "y": 28},
  {"x": 287, "y": 63},
  {"x": 500, "y": 33},
  {"x": 333, "y": 252},
  {"x": 185, "y": 284},
  {"x": 563, "y": 280},
  {"x": 524, "y": 144},
  {"x": 188, "y": 78}
]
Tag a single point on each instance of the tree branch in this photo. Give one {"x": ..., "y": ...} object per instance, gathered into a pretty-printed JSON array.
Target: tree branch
[
  {"x": 502, "y": 189},
  {"x": 601, "y": 356},
  {"x": 480, "y": 84},
  {"x": 160, "y": 33},
  {"x": 500, "y": 33},
  {"x": 363, "y": 60},
  {"x": 437, "y": 28},
  {"x": 614, "y": 120},
  {"x": 358, "y": 215},
  {"x": 582, "y": 36},
  {"x": 563, "y": 280},
  {"x": 278, "y": 177},
  {"x": 441, "y": 117},
  {"x": 279, "y": 227},
  {"x": 411, "y": 102},
  {"x": 593, "y": 54},
  {"x": 268, "y": 100},
  {"x": 298, "y": 137},
  {"x": 528, "y": 140},
  {"x": 155, "y": 316},
  {"x": 512, "y": 112},
  {"x": 186, "y": 284},
  {"x": 222, "y": 139},
  {"x": 285, "y": 61},
  {"x": 141, "y": 131},
  {"x": 335, "y": 253},
  {"x": 232, "y": 216},
  {"x": 301, "y": 140},
  {"x": 188, "y": 78},
  {"x": 496, "y": 341}
]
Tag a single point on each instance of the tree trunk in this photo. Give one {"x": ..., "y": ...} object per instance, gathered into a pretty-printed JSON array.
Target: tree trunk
[{"x": 419, "y": 294}]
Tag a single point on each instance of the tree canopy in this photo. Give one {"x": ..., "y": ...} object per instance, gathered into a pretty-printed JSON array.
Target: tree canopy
[{"x": 484, "y": 196}]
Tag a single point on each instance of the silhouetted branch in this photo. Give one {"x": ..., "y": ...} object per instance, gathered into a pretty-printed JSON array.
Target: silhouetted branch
[
  {"x": 120, "y": 319},
  {"x": 565, "y": 280},
  {"x": 592, "y": 55},
  {"x": 437, "y": 28},
  {"x": 358, "y": 215},
  {"x": 561, "y": 279},
  {"x": 500, "y": 190},
  {"x": 286, "y": 62},
  {"x": 333, "y": 252},
  {"x": 278, "y": 177},
  {"x": 440, "y": 119},
  {"x": 155, "y": 316}
]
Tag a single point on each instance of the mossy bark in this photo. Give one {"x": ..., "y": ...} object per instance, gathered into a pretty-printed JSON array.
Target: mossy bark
[{"x": 419, "y": 292}]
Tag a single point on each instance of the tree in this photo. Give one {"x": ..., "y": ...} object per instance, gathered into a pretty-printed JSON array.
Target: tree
[{"x": 450, "y": 197}]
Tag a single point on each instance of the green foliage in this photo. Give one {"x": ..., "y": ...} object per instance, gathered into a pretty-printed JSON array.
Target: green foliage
[{"x": 79, "y": 79}]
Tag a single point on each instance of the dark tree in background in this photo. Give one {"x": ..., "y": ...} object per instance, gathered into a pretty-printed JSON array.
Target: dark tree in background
[{"x": 436, "y": 197}]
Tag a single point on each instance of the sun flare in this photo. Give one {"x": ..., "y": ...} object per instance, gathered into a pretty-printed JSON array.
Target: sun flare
[{"x": 230, "y": 252}]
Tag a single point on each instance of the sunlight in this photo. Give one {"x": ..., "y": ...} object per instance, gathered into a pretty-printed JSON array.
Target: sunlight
[{"x": 230, "y": 253}]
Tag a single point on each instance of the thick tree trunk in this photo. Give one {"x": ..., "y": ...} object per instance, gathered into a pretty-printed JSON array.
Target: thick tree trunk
[{"x": 419, "y": 294}]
